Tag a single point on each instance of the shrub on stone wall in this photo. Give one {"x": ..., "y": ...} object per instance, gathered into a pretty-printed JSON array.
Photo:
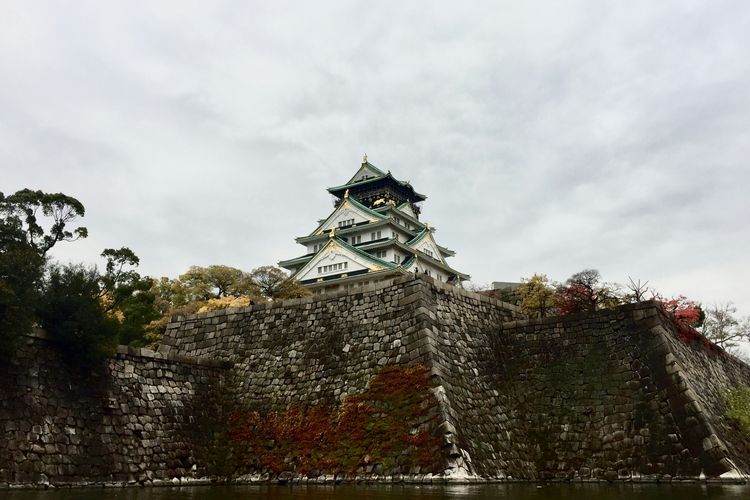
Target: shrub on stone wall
[
  {"x": 738, "y": 406},
  {"x": 387, "y": 428}
]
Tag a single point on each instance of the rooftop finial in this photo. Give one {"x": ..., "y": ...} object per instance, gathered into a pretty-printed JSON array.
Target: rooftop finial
[
  {"x": 346, "y": 194},
  {"x": 332, "y": 234},
  {"x": 364, "y": 159}
]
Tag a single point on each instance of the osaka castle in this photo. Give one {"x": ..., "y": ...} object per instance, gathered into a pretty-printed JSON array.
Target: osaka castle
[{"x": 374, "y": 233}]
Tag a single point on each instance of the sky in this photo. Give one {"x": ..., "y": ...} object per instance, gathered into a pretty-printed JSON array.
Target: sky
[{"x": 549, "y": 137}]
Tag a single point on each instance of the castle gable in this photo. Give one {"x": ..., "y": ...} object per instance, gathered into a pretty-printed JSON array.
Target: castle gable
[
  {"x": 339, "y": 258},
  {"x": 365, "y": 172},
  {"x": 425, "y": 243},
  {"x": 347, "y": 214}
]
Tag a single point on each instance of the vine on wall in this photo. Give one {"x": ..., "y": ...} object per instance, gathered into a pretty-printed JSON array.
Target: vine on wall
[{"x": 386, "y": 428}]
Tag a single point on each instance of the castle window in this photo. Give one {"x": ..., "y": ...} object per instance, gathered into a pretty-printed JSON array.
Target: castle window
[
  {"x": 346, "y": 223},
  {"x": 375, "y": 235}
]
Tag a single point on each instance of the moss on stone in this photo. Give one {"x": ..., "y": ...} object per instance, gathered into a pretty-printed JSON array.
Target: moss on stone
[{"x": 738, "y": 406}]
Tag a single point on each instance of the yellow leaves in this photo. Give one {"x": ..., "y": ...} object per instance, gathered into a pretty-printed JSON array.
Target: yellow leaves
[
  {"x": 106, "y": 302},
  {"x": 225, "y": 303}
]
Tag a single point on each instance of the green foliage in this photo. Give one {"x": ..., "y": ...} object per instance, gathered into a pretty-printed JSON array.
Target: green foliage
[
  {"x": 24, "y": 243},
  {"x": 538, "y": 297},
  {"x": 89, "y": 313},
  {"x": 127, "y": 295},
  {"x": 25, "y": 207},
  {"x": 203, "y": 283},
  {"x": 21, "y": 269},
  {"x": 72, "y": 313},
  {"x": 213, "y": 287},
  {"x": 274, "y": 283},
  {"x": 738, "y": 406}
]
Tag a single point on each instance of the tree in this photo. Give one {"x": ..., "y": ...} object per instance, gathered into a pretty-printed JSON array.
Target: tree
[
  {"x": 203, "y": 283},
  {"x": 90, "y": 313},
  {"x": 169, "y": 294},
  {"x": 72, "y": 313},
  {"x": 583, "y": 292},
  {"x": 21, "y": 269},
  {"x": 538, "y": 298},
  {"x": 684, "y": 310},
  {"x": 25, "y": 206},
  {"x": 126, "y": 294},
  {"x": 637, "y": 289},
  {"x": 273, "y": 283},
  {"x": 24, "y": 244},
  {"x": 722, "y": 327}
]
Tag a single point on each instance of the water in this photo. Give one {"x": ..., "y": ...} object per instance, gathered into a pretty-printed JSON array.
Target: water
[{"x": 405, "y": 492}]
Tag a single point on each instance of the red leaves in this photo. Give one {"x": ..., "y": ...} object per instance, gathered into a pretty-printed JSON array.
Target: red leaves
[
  {"x": 683, "y": 310},
  {"x": 686, "y": 315},
  {"x": 576, "y": 298},
  {"x": 388, "y": 424}
]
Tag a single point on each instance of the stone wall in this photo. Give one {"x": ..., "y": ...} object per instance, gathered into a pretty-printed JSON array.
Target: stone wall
[
  {"x": 607, "y": 395},
  {"x": 129, "y": 421},
  {"x": 620, "y": 393},
  {"x": 614, "y": 394},
  {"x": 319, "y": 349}
]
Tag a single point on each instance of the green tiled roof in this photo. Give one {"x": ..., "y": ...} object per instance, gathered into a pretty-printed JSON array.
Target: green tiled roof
[
  {"x": 374, "y": 179},
  {"x": 373, "y": 168},
  {"x": 357, "y": 204}
]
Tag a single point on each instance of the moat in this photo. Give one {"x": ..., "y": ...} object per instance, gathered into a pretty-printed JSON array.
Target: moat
[{"x": 373, "y": 492}]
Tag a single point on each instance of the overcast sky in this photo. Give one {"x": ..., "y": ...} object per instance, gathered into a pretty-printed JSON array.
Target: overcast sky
[{"x": 549, "y": 137}]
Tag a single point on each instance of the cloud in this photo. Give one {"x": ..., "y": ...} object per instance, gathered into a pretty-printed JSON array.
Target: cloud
[{"x": 548, "y": 138}]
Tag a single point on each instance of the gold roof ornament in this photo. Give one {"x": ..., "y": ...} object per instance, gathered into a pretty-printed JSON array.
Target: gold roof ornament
[
  {"x": 364, "y": 159},
  {"x": 332, "y": 234},
  {"x": 346, "y": 194},
  {"x": 427, "y": 226}
]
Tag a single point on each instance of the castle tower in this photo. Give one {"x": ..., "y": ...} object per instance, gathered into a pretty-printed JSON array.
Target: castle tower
[{"x": 373, "y": 233}]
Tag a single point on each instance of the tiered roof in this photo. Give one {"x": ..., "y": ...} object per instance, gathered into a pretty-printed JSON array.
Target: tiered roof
[{"x": 379, "y": 200}]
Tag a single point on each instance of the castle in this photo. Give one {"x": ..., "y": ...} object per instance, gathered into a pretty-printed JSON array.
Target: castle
[
  {"x": 374, "y": 233},
  {"x": 408, "y": 379}
]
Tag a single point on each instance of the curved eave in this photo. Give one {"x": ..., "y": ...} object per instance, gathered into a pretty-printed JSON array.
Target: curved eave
[
  {"x": 419, "y": 237},
  {"x": 292, "y": 263},
  {"x": 312, "y": 238},
  {"x": 406, "y": 216},
  {"x": 372, "y": 258},
  {"x": 369, "y": 166},
  {"x": 409, "y": 263},
  {"x": 409, "y": 250},
  {"x": 305, "y": 259},
  {"x": 338, "y": 191},
  {"x": 356, "y": 204},
  {"x": 349, "y": 278},
  {"x": 447, "y": 252}
]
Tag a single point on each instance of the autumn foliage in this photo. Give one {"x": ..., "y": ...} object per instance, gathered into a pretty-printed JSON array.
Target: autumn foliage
[
  {"x": 389, "y": 424},
  {"x": 686, "y": 316},
  {"x": 683, "y": 310}
]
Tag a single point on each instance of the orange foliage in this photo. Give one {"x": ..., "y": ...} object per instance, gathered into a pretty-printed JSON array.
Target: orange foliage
[{"x": 388, "y": 424}]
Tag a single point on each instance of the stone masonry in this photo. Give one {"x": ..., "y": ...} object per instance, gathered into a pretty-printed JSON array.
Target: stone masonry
[
  {"x": 128, "y": 422},
  {"x": 617, "y": 394},
  {"x": 602, "y": 396}
]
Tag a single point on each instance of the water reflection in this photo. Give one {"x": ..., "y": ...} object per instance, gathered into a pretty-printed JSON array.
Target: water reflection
[{"x": 400, "y": 492}]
